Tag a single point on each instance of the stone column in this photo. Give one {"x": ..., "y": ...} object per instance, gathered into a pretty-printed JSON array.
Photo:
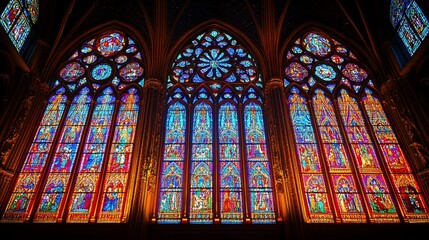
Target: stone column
[
  {"x": 143, "y": 204},
  {"x": 14, "y": 149},
  {"x": 281, "y": 149},
  {"x": 410, "y": 122}
]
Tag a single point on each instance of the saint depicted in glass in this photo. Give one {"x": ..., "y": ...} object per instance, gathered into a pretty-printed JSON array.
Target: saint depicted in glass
[
  {"x": 351, "y": 165},
  {"x": 214, "y": 136},
  {"x": 84, "y": 144}
]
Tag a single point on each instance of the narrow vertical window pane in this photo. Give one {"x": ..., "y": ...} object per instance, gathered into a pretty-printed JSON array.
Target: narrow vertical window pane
[
  {"x": 171, "y": 195},
  {"x": 230, "y": 165},
  {"x": 202, "y": 165},
  {"x": 377, "y": 191},
  {"x": 87, "y": 182},
  {"x": 418, "y": 20},
  {"x": 409, "y": 38},
  {"x": 118, "y": 167},
  {"x": 32, "y": 7},
  {"x": 23, "y": 194},
  {"x": 345, "y": 188},
  {"x": 405, "y": 184},
  {"x": 10, "y": 15},
  {"x": 258, "y": 167},
  {"x": 314, "y": 183},
  {"x": 409, "y": 22},
  {"x": 53, "y": 200},
  {"x": 20, "y": 31},
  {"x": 18, "y": 18}
]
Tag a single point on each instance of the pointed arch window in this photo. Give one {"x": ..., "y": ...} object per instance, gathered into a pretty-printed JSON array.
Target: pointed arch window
[
  {"x": 215, "y": 165},
  {"x": 350, "y": 164},
  {"x": 410, "y": 23},
  {"x": 78, "y": 165},
  {"x": 18, "y": 18}
]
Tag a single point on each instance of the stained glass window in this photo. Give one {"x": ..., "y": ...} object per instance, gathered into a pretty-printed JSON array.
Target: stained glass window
[
  {"x": 350, "y": 163},
  {"x": 410, "y": 23},
  {"x": 78, "y": 165},
  {"x": 215, "y": 165},
  {"x": 405, "y": 184},
  {"x": 18, "y": 18}
]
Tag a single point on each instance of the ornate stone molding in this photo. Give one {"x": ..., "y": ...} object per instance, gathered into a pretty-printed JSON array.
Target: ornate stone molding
[
  {"x": 37, "y": 86},
  {"x": 272, "y": 84},
  {"x": 153, "y": 83},
  {"x": 388, "y": 87},
  {"x": 391, "y": 94}
]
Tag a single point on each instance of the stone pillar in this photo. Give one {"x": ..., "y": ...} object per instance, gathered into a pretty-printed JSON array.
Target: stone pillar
[
  {"x": 281, "y": 148},
  {"x": 143, "y": 204},
  {"x": 410, "y": 122},
  {"x": 14, "y": 149}
]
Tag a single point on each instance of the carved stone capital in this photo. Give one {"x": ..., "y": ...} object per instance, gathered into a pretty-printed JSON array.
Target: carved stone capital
[
  {"x": 272, "y": 84},
  {"x": 43, "y": 87},
  {"x": 153, "y": 83},
  {"x": 389, "y": 88}
]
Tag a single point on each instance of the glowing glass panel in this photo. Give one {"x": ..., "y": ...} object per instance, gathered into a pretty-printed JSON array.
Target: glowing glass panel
[
  {"x": 72, "y": 190},
  {"x": 53, "y": 195},
  {"x": 325, "y": 72},
  {"x": 171, "y": 195},
  {"x": 119, "y": 162},
  {"x": 87, "y": 182},
  {"x": 23, "y": 193},
  {"x": 210, "y": 57},
  {"x": 405, "y": 184},
  {"x": 376, "y": 190},
  {"x": 111, "y": 44},
  {"x": 296, "y": 72},
  {"x": 410, "y": 23},
  {"x": 354, "y": 72},
  {"x": 101, "y": 71},
  {"x": 209, "y": 79},
  {"x": 18, "y": 18},
  {"x": 258, "y": 167},
  {"x": 72, "y": 71},
  {"x": 347, "y": 195},
  {"x": 230, "y": 165},
  {"x": 131, "y": 71},
  {"x": 317, "y": 203},
  {"x": 317, "y": 44},
  {"x": 202, "y": 165}
]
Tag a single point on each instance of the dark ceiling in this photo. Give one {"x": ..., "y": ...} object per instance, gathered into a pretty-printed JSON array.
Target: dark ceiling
[
  {"x": 345, "y": 16},
  {"x": 269, "y": 22}
]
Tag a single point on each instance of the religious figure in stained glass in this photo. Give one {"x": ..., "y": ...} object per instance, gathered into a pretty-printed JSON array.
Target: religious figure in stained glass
[
  {"x": 410, "y": 23},
  {"x": 213, "y": 93},
  {"x": 82, "y": 103},
  {"x": 338, "y": 155},
  {"x": 18, "y": 18}
]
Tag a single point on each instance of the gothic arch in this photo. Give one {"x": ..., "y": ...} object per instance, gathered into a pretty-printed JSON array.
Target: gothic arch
[
  {"x": 210, "y": 169},
  {"x": 81, "y": 163},
  {"x": 339, "y": 120}
]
